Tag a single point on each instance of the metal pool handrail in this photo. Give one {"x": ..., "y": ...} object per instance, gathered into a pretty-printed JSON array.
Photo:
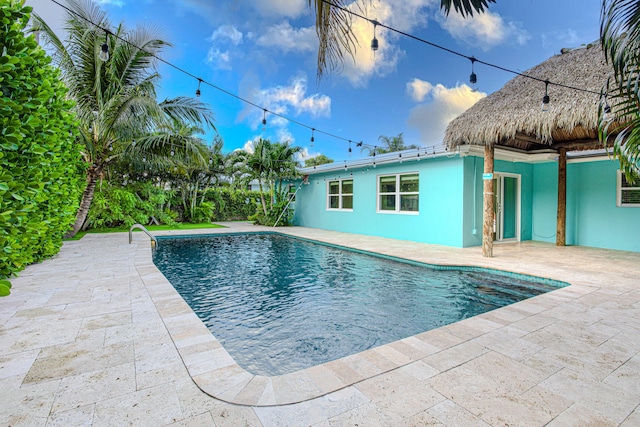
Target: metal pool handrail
[{"x": 154, "y": 241}]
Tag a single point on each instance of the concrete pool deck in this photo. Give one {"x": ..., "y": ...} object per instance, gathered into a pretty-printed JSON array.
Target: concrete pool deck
[{"x": 97, "y": 336}]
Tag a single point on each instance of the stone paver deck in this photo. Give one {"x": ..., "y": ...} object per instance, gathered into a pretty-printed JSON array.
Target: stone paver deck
[{"x": 97, "y": 336}]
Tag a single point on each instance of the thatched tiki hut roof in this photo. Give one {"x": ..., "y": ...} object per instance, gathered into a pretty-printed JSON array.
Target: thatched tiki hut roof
[{"x": 513, "y": 115}]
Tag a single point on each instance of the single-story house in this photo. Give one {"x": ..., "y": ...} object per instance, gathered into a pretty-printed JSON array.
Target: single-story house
[{"x": 540, "y": 175}]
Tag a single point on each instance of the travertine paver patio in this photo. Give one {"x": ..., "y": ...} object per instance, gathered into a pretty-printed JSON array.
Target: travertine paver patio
[{"x": 96, "y": 336}]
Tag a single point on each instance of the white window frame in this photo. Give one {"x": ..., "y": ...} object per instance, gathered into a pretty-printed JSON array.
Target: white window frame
[
  {"x": 290, "y": 193},
  {"x": 621, "y": 189},
  {"x": 340, "y": 195},
  {"x": 397, "y": 194}
]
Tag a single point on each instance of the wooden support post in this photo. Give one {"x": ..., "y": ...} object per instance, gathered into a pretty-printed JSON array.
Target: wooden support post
[
  {"x": 561, "y": 227},
  {"x": 487, "y": 215}
]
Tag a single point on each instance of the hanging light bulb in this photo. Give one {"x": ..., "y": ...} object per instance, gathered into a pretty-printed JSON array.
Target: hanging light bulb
[
  {"x": 173, "y": 153},
  {"x": 104, "y": 50},
  {"x": 210, "y": 160},
  {"x": 144, "y": 159},
  {"x": 545, "y": 98},
  {"x": 264, "y": 118},
  {"x": 312, "y": 138},
  {"x": 345, "y": 165},
  {"x": 198, "y": 93},
  {"x": 473, "y": 79},
  {"x": 110, "y": 147},
  {"x": 400, "y": 157},
  {"x": 349, "y": 148},
  {"x": 374, "y": 41},
  {"x": 418, "y": 157}
]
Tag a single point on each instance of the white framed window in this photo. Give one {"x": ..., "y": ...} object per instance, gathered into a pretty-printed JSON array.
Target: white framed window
[
  {"x": 291, "y": 192},
  {"x": 340, "y": 194},
  {"x": 628, "y": 193},
  {"x": 398, "y": 193}
]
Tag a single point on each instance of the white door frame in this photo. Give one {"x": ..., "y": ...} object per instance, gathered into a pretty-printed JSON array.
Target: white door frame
[{"x": 499, "y": 176}]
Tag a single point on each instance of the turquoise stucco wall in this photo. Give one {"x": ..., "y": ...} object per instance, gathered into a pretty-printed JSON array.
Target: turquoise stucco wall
[
  {"x": 593, "y": 219},
  {"x": 449, "y": 212},
  {"x": 474, "y": 167},
  {"x": 440, "y": 205}
]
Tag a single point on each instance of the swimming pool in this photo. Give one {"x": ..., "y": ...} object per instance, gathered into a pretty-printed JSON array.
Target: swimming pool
[{"x": 279, "y": 304}]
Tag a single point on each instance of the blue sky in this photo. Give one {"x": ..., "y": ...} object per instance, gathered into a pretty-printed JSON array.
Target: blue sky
[{"x": 265, "y": 51}]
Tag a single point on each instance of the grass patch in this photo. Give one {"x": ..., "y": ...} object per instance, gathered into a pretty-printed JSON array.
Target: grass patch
[{"x": 163, "y": 227}]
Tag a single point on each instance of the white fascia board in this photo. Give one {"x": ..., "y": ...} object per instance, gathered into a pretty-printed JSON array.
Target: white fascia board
[{"x": 380, "y": 159}]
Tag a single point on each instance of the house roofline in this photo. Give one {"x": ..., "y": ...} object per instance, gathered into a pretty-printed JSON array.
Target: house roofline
[{"x": 501, "y": 153}]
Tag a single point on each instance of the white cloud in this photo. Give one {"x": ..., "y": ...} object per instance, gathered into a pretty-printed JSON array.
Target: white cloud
[
  {"x": 284, "y": 8},
  {"x": 419, "y": 89},
  {"x": 290, "y": 101},
  {"x": 249, "y": 146},
  {"x": 483, "y": 30},
  {"x": 444, "y": 104},
  {"x": 404, "y": 16},
  {"x": 288, "y": 39},
  {"x": 284, "y": 99},
  {"x": 223, "y": 36},
  {"x": 305, "y": 154},
  {"x": 226, "y": 33},
  {"x": 219, "y": 59}
]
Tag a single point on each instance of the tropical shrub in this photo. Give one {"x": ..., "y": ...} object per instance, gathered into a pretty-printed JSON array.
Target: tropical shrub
[
  {"x": 232, "y": 204},
  {"x": 41, "y": 175},
  {"x": 273, "y": 214},
  {"x": 116, "y": 205}
]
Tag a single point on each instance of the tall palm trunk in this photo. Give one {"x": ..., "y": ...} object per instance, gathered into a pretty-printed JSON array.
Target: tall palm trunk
[
  {"x": 264, "y": 204},
  {"x": 93, "y": 174}
]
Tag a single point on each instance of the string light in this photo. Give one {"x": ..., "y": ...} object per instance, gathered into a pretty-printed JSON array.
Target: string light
[
  {"x": 264, "y": 117},
  {"x": 374, "y": 41},
  {"x": 473, "y": 79},
  {"x": 198, "y": 93},
  {"x": 545, "y": 98},
  {"x": 349, "y": 148},
  {"x": 312, "y": 138},
  {"x": 451, "y": 51},
  {"x": 104, "y": 50}
]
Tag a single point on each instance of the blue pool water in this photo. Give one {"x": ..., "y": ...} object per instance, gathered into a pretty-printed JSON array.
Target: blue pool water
[{"x": 279, "y": 304}]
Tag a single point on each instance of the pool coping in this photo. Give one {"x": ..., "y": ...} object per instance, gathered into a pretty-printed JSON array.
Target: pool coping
[{"x": 216, "y": 373}]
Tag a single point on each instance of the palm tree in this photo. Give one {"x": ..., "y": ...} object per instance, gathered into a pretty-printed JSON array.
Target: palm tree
[
  {"x": 390, "y": 144},
  {"x": 259, "y": 163},
  {"x": 620, "y": 37},
  {"x": 337, "y": 40},
  {"x": 116, "y": 102},
  {"x": 270, "y": 163}
]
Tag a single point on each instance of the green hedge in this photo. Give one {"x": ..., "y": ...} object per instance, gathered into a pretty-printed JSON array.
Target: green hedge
[
  {"x": 117, "y": 205},
  {"x": 40, "y": 166},
  {"x": 232, "y": 204}
]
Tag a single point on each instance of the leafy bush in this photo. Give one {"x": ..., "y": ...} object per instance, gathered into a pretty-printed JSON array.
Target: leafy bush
[
  {"x": 203, "y": 213},
  {"x": 40, "y": 166},
  {"x": 273, "y": 214},
  {"x": 116, "y": 206},
  {"x": 232, "y": 204}
]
